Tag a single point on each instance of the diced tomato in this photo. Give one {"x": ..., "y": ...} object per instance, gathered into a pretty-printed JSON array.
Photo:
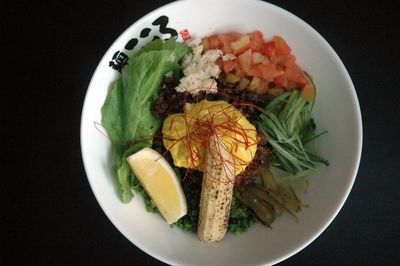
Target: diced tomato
[
  {"x": 254, "y": 71},
  {"x": 281, "y": 47},
  {"x": 225, "y": 40},
  {"x": 232, "y": 78},
  {"x": 220, "y": 62},
  {"x": 258, "y": 62},
  {"x": 290, "y": 60},
  {"x": 268, "y": 49},
  {"x": 206, "y": 44},
  {"x": 258, "y": 85},
  {"x": 220, "y": 41},
  {"x": 255, "y": 84},
  {"x": 240, "y": 45},
  {"x": 245, "y": 61},
  {"x": 256, "y": 40},
  {"x": 280, "y": 81},
  {"x": 285, "y": 60},
  {"x": 235, "y": 36},
  {"x": 268, "y": 72},
  {"x": 240, "y": 73},
  {"x": 291, "y": 85},
  {"x": 229, "y": 66},
  {"x": 243, "y": 83},
  {"x": 214, "y": 42},
  {"x": 296, "y": 75},
  {"x": 278, "y": 59},
  {"x": 258, "y": 58},
  {"x": 263, "y": 88},
  {"x": 293, "y": 78}
]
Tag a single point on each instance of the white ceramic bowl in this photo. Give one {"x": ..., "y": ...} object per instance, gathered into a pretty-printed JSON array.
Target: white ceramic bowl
[{"x": 337, "y": 110}]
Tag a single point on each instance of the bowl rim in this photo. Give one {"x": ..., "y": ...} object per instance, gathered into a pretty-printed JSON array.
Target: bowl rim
[{"x": 358, "y": 127}]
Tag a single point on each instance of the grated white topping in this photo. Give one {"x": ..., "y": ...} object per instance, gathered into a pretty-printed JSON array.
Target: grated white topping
[{"x": 200, "y": 71}]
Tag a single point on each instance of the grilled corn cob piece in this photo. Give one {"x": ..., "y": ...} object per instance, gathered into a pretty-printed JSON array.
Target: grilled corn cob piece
[{"x": 216, "y": 192}]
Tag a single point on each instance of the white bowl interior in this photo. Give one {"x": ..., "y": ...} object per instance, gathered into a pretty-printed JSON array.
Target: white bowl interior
[{"x": 336, "y": 110}]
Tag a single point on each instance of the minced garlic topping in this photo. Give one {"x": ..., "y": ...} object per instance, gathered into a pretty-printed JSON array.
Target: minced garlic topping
[{"x": 200, "y": 70}]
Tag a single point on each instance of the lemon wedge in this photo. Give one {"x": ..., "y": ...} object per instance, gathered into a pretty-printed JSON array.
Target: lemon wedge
[{"x": 161, "y": 183}]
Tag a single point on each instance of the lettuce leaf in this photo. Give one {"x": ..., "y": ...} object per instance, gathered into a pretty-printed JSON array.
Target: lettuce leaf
[{"x": 126, "y": 113}]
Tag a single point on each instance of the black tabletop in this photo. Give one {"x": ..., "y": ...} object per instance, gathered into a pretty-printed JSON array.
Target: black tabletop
[{"x": 49, "y": 214}]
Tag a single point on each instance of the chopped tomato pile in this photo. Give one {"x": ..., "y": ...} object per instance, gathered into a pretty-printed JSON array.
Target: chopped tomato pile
[{"x": 258, "y": 63}]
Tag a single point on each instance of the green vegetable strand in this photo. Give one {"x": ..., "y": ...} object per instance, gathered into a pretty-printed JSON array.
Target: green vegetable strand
[{"x": 288, "y": 126}]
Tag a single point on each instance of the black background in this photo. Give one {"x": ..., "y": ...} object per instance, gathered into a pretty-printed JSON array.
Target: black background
[{"x": 50, "y": 50}]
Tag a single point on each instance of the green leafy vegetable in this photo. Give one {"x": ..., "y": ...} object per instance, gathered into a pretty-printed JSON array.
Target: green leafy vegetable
[
  {"x": 122, "y": 169},
  {"x": 179, "y": 49},
  {"x": 288, "y": 126},
  {"x": 126, "y": 113}
]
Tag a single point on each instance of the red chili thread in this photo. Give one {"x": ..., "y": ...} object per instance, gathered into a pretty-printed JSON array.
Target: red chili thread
[{"x": 204, "y": 126}]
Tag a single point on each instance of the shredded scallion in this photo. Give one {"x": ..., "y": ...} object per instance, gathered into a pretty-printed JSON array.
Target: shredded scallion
[{"x": 288, "y": 126}]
